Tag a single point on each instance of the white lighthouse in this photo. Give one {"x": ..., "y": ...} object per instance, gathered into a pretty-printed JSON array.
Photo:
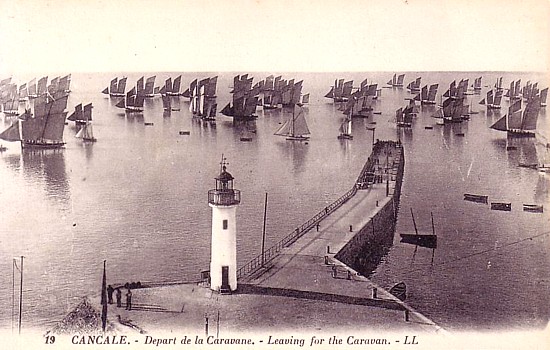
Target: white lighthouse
[{"x": 223, "y": 262}]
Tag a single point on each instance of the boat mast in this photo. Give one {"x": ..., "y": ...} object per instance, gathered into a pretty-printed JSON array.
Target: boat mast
[
  {"x": 263, "y": 231},
  {"x": 292, "y": 121},
  {"x": 21, "y": 295},
  {"x": 414, "y": 222},
  {"x": 433, "y": 227}
]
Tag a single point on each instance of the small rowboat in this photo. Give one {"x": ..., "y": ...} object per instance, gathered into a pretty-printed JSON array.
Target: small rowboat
[
  {"x": 476, "y": 198},
  {"x": 399, "y": 291},
  {"x": 533, "y": 208},
  {"x": 501, "y": 206}
]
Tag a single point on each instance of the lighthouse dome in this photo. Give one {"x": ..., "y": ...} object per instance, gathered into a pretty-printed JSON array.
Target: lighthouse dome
[{"x": 224, "y": 175}]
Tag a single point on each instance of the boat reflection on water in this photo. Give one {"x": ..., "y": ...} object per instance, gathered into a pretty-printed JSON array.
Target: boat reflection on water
[
  {"x": 48, "y": 165},
  {"x": 297, "y": 153}
]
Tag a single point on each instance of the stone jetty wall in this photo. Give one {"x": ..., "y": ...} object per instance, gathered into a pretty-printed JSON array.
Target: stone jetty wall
[{"x": 369, "y": 245}]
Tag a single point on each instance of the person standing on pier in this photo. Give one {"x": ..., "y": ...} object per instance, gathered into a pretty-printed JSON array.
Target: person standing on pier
[
  {"x": 129, "y": 300},
  {"x": 118, "y": 297},
  {"x": 110, "y": 294}
]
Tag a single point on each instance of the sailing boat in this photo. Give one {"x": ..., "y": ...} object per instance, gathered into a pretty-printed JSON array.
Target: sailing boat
[
  {"x": 397, "y": 81},
  {"x": 9, "y": 99},
  {"x": 295, "y": 127},
  {"x": 452, "y": 110},
  {"x": 244, "y": 100},
  {"x": 149, "y": 89},
  {"x": 116, "y": 88},
  {"x": 516, "y": 123},
  {"x": 291, "y": 93},
  {"x": 428, "y": 96},
  {"x": 345, "y": 129},
  {"x": 41, "y": 87},
  {"x": 341, "y": 91},
  {"x": 31, "y": 89},
  {"x": 498, "y": 84},
  {"x": 543, "y": 95},
  {"x": 41, "y": 129},
  {"x": 403, "y": 117},
  {"x": 86, "y": 132},
  {"x": 414, "y": 86},
  {"x": 23, "y": 93},
  {"x": 132, "y": 103},
  {"x": 203, "y": 99},
  {"x": 176, "y": 86},
  {"x": 65, "y": 84},
  {"x": 477, "y": 85},
  {"x": 77, "y": 116},
  {"x": 493, "y": 99}
]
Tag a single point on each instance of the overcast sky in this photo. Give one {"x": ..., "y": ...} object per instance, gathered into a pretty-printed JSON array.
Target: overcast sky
[{"x": 282, "y": 35}]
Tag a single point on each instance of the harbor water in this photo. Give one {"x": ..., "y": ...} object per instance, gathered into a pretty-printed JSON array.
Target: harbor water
[{"x": 137, "y": 198}]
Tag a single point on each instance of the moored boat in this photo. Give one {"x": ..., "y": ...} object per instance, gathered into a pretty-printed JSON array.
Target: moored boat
[
  {"x": 399, "y": 291},
  {"x": 345, "y": 129},
  {"x": 116, "y": 88},
  {"x": 533, "y": 208},
  {"x": 244, "y": 99},
  {"x": 43, "y": 128},
  {"x": 501, "y": 206},
  {"x": 476, "y": 198},
  {"x": 295, "y": 128},
  {"x": 519, "y": 124},
  {"x": 397, "y": 81},
  {"x": 132, "y": 102}
]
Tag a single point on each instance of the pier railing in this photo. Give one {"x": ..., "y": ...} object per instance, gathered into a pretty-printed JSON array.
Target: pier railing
[
  {"x": 362, "y": 182},
  {"x": 270, "y": 253}
]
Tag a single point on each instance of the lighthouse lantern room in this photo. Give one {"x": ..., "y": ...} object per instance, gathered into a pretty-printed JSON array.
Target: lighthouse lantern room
[{"x": 223, "y": 262}]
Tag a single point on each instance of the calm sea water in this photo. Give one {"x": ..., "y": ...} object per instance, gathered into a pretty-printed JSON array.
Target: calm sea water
[{"x": 138, "y": 198}]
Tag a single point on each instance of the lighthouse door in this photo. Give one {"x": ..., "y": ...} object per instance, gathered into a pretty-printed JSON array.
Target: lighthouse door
[{"x": 225, "y": 279}]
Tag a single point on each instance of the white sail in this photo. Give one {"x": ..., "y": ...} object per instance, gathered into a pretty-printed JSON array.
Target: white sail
[
  {"x": 86, "y": 132},
  {"x": 80, "y": 133},
  {"x": 296, "y": 125}
]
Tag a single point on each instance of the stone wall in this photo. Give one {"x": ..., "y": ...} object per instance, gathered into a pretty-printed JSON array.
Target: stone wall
[{"x": 372, "y": 242}]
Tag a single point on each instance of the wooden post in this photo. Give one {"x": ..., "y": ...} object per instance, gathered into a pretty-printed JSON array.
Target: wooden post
[
  {"x": 21, "y": 295},
  {"x": 218, "y": 325},
  {"x": 104, "y": 298},
  {"x": 263, "y": 232}
]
